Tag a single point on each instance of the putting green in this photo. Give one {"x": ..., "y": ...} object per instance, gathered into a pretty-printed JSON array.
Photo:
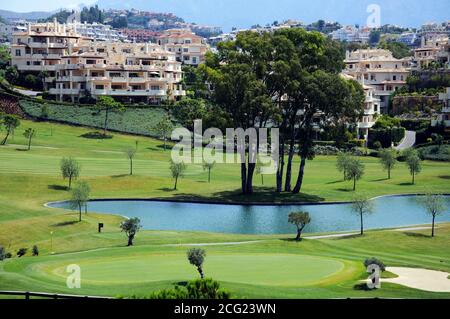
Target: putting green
[{"x": 262, "y": 269}]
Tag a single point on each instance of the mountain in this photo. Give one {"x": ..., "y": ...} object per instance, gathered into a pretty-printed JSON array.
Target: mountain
[
  {"x": 244, "y": 13},
  {"x": 35, "y": 15}
]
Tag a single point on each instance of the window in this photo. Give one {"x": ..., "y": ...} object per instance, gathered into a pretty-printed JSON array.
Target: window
[
  {"x": 185, "y": 50},
  {"x": 394, "y": 78},
  {"x": 186, "y": 58},
  {"x": 99, "y": 87},
  {"x": 155, "y": 88},
  {"x": 194, "y": 60},
  {"x": 373, "y": 77},
  {"x": 18, "y": 53}
]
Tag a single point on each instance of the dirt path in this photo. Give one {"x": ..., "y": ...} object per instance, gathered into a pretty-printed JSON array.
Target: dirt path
[{"x": 422, "y": 279}]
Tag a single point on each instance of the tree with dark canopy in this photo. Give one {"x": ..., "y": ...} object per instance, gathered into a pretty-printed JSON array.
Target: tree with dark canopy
[
  {"x": 196, "y": 257},
  {"x": 131, "y": 227},
  {"x": 299, "y": 219}
]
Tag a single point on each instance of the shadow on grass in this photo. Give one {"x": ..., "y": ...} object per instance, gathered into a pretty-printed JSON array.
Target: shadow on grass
[
  {"x": 406, "y": 184},
  {"x": 96, "y": 136},
  {"x": 68, "y": 223},
  {"x": 291, "y": 240},
  {"x": 380, "y": 180},
  {"x": 167, "y": 189},
  {"x": 58, "y": 187},
  {"x": 120, "y": 176},
  {"x": 22, "y": 149},
  {"x": 335, "y": 182},
  {"x": 346, "y": 190},
  {"x": 418, "y": 235},
  {"x": 361, "y": 287},
  {"x": 260, "y": 195},
  {"x": 444, "y": 177},
  {"x": 160, "y": 147},
  {"x": 348, "y": 237}
]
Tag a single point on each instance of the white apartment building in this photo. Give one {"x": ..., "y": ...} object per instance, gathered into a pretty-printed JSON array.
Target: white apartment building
[
  {"x": 380, "y": 70},
  {"x": 129, "y": 72},
  {"x": 97, "y": 31},
  {"x": 371, "y": 109},
  {"x": 433, "y": 48},
  {"x": 351, "y": 34},
  {"x": 189, "y": 48},
  {"x": 41, "y": 47},
  {"x": 444, "y": 115}
]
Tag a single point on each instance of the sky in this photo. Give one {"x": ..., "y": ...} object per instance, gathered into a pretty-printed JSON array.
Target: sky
[{"x": 244, "y": 13}]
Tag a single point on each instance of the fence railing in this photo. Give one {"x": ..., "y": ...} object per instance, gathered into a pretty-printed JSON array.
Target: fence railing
[{"x": 29, "y": 294}]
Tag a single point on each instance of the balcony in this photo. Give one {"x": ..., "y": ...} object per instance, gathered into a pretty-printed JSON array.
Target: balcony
[
  {"x": 366, "y": 124},
  {"x": 56, "y": 91},
  {"x": 130, "y": 92},
  {"x": 119, "y": 79}
]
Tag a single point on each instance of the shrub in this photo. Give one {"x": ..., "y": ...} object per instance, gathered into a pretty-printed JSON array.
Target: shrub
[
  {"x": 35, "y": 250},
  {"x": 21, "y": 252},
  {"x": 194, "y": 290},
  {"x": 374, "y": 261}
]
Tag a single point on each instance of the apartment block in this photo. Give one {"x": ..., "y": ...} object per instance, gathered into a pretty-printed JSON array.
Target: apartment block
[
  {"x": 371, "y": 108},
  {"x": 189, "y": 48},
  {"x": 380, "y": 70},
  {"x": 129, "y": 72},
  {"x": 41, "y": 47},
  {"x": 432, "y": 49}
]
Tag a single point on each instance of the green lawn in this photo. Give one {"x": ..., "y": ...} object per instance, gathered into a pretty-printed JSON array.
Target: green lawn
[{"x": 275, "y": 267}]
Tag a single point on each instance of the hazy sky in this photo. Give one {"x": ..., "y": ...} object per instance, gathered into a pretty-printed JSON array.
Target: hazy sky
[{"x": 244, "y": 13}]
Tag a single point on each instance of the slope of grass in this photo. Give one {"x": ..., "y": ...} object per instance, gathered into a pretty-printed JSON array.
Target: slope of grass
[{"x": 28, "y": 179}]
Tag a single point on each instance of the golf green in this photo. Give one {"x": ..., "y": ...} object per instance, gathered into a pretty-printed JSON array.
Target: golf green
[{"x": 266, "y": 269}]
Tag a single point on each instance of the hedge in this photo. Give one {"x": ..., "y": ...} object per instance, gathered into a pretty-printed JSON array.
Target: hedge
[
  {"x": 134, "y": 120},
  {"x": 386, "y": 136}
]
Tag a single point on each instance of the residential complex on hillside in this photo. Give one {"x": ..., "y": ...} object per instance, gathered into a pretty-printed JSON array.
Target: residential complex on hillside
[
  {"x": 76, "y": 66},
  {"x": 379, "y": 69},
  {"x": 189, "y": 48},
  {"x": 434, "y": 48}
]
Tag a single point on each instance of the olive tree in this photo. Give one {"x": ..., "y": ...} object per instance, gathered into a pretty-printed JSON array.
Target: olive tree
[
  {"x": 354, "y": 171},
  {"x": 208, "y": 166},
  {"x": 299, "y": 219},
  {"x": 80, "y": 197},
  {"x": 414, "y": 164},
  {"x": 362, "y": 206},
  {"x": 343, "y": 160},
  {"x": 196, "y": 257},
  {"x": 177, "y": 170},
  {"x": 10, "y": 122},
  {"x": 29, "y": 134},
  {"x": 164, "y": 129},
  {"x": 107, "y": 104},
  {"x": 131, "y": 227},
  {"x": 435, "y": 206},
  {"x": 70, "y": 169},
  {"x": 130, "y": 153},
  {"x": 388, "y": 160}
]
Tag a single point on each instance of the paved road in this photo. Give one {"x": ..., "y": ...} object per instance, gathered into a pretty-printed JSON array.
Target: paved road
[{"x": 408, "y": 141}]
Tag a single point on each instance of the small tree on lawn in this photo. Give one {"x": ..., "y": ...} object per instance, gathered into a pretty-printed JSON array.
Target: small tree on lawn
[
  {"x": 70, "y": 169},
  {"x": 164, "y": 129},
  {"x": 21, "y": 252},
  {"x": 362, "y": 206},
  {"x": 80, "y": 197},
  {"x": 414, "y": 164},
  {"x": 130, "y": 154},
  {"x": 131, "y": 227},
  {"x": 10, "y": 122},
  {"x": 35, "y": 251},
  {"x": 299, "y": 219},
  {"x": 107, "y": 104},
  {"x": 177, "y": 170},
  {"x": 29, "y": 134},
  {"x": 343, "y": 160},
  {"x": 435, "y": 206},
  {"x": 354, "y": 171},
  {"x": 196, "y": 257},
  {"x": 388, "y": 160},
  {"x": 208, "y": 166}
]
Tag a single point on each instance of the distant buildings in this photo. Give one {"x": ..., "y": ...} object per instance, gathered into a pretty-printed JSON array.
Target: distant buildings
[
  {"x": 408, "y": 38},
  {"x": 379, "y": 69},
  {"x": 352, "y": 34},
  {"x": 434, "y": 48},
  {"x": 188, "y": 48},
  {"x": 140, "y": 35},
  {"x": 7, "y": 30},
  {"x": 97, "y": 31}
]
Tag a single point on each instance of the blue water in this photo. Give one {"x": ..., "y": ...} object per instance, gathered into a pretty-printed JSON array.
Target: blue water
[{"x": 389, "y": 212}]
